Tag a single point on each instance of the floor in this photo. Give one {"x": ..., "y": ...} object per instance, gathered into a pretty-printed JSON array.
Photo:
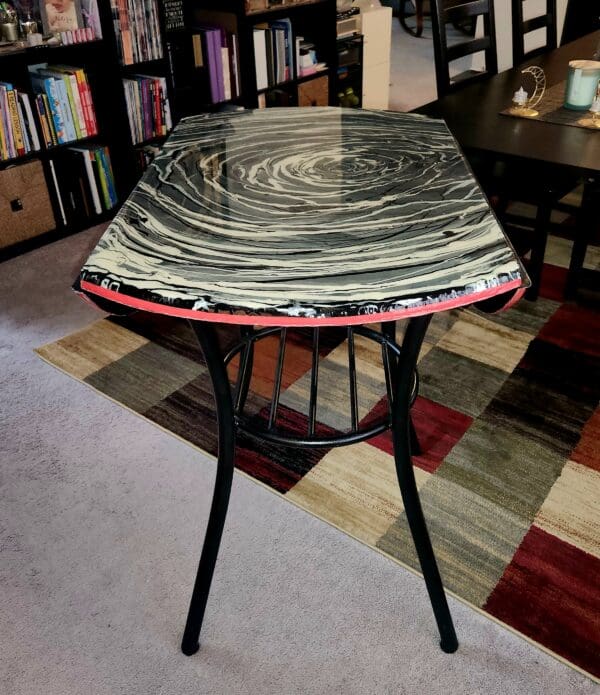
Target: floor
[{"x": 101, "y": 521}]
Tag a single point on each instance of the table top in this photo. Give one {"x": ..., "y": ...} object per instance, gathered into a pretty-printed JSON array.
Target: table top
[
  {"x": 304, "y": 216},
  {"x": 473, "y": 116}
]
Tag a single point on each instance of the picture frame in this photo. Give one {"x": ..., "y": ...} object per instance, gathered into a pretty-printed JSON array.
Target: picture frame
[{"x": 60, "y": 15}]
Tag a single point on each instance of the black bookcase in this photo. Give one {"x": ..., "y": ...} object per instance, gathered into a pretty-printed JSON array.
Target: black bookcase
[
  {"x": 101, "y": 61},
  {"x": 315, "y": 20}
]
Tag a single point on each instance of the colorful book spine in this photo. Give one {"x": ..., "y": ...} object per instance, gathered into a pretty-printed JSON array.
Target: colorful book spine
[
  {"x": 16, "y": 123},
  {"x": 41, "y": 111},
  {"x": 11, "y": 149}
]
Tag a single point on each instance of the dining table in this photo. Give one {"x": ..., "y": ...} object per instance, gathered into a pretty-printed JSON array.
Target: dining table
[
  {"x": 280, "y": 219},
  {"x": 474, "y": 116}
]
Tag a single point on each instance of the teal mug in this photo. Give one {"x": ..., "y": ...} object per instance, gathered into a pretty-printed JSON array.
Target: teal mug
[{"x": 582, "y": 83}]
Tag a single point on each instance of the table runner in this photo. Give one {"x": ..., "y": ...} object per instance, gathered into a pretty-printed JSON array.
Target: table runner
[{"x": 551, "y": 109}]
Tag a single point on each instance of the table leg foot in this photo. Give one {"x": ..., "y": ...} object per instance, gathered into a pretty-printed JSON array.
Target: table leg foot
[
  {"x": 190, "y": 649},
  {"x": 401, "y": 433},
  {"x": 220, "y": 502},
  {"x": 449, "y": 645}
]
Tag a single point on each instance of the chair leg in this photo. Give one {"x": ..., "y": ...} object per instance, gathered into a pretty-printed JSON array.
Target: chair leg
[
  {"x": 536, "y": 265},
  {"x": 587, "y": 223},
  {"x": 224, "y": 405},
  {"x": 408, "y": 487},
  {"x": 418, "y": 30}
]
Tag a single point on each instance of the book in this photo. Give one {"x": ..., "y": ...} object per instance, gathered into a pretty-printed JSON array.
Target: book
[
  {"x": 30, "y": 121},
  {"x": 87, "y": 157},
  {"x": 46, "y": 85},
  {"x": 9, "y": 138},
  {"x": 50, "y": 118},
  {"x": 61, "y": 207},
  {"x": 74, "y": 93},
  {"x": 286, "y": 25},
  {"x": 41, "y": 111},
  {"x": 19, "y": 140},
  {"x": 26, "y": 139},
  {"x": 137, "y": 28},
  {"x": 91, "y": 19},
  {"x": 260, "y": 58}
]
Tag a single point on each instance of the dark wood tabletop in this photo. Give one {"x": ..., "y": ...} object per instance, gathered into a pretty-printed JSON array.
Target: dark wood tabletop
[{"x": 473, "y": 116}]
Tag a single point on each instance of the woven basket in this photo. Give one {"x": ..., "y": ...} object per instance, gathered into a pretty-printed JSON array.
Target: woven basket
[{"x": 25, "y": 208}]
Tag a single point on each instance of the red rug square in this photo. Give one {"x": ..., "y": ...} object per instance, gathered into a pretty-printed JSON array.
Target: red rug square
[
  {"x": 553, "y": 283},
  {"x": 545, "y": 593},
  {"x": 587, "y": 451},
  {"x": 574, "y": 328},
  {"x": 438, "y": 427}
]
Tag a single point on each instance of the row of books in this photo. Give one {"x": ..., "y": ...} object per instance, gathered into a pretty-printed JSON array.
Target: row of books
[
  {"x": 216, "y": 50},
  {"x": 84, "y": 182},
  {"x": 147, "y": 107},
  {"x": 64, "y": 103},
  {"x": 137, "y": 30},
  {"x": 280, "y": 56},
  {"x": 18, "y": 132},
  {"x": 273, "y": 53},
  {"x": 84, "y": 35}
]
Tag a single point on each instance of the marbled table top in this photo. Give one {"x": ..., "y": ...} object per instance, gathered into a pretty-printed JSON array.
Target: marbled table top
[{"x": 304, "y": 216}]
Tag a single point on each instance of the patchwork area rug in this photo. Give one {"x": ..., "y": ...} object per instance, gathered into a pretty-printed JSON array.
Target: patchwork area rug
[{"x": 509, "y": 425}]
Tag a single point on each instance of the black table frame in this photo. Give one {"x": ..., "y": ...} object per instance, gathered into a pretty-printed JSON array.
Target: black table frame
[{"x": 400, "y": 368}]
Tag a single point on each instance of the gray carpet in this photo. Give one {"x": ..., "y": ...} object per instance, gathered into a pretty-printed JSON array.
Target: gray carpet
[{"x": 101, "y": 520}]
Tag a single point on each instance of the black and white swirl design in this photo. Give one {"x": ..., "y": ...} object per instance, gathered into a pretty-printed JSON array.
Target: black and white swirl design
[{"x": 304, "y": 212}]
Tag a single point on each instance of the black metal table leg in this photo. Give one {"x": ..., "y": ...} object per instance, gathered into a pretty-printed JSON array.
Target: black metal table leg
[
  {"x": 401, "y": 425},
  {"x": 390, "y": 363},
  {"x": 402, "y": 384},
  {"x": 206, "y": 335}
]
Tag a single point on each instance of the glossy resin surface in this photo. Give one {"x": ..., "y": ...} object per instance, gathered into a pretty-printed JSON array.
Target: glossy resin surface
[{"x": 317, "y": 215}]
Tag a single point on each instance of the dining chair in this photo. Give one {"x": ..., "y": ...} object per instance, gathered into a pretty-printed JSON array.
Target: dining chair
[
  {"x": 522, "y": 27},
  {"x": 418, "y": 14},
  {"x": 457, "y": 12},
  {"x": 581, "y": 18}
]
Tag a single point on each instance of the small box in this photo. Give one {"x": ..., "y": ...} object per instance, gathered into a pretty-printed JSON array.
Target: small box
[
  {"x": 314, "y": 92},
  {"x": 25, "y": 207}
]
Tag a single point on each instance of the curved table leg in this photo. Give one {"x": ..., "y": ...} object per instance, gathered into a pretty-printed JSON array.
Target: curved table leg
[
  {"x": 411, "y": 346},
  {"x": 206, "y": 335},
  {"x": 388, "y": 328},
  {"x": 245, "y": 372}
]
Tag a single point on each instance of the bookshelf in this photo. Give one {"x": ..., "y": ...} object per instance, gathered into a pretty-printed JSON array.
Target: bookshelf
[
  {"x": 255, "y": 27},
  {"x": 93, "y": 194}
]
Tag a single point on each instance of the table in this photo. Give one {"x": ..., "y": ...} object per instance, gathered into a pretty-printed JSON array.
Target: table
[
  {"x": 311, "y": 217},
  {"x": 473, "y": 116}
]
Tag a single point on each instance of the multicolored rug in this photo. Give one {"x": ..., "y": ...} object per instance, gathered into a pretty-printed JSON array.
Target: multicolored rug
[{"x": 509, "y": 425}]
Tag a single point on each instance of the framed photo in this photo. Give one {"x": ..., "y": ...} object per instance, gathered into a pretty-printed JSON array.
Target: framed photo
[{"x": 61, "y": 15}]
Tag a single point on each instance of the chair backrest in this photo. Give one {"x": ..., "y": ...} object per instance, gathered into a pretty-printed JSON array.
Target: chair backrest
[
  {"x": 521, "y": 27},
  {"x": 582, "y": 17},
  {"x": 457, "y": 12}
]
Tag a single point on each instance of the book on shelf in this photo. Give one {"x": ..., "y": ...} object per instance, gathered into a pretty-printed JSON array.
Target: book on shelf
[
  {"x": 216, "y": 51},
  {"x": 137, "y": 30},
  {"x": 64, "y": 103},
  {"x": 274, "y": 53},
  {"x": 83, "y": 181},
  {"x": 148, "y": 107},
  {"x": 306, "y": 58},
  {"x": 18, "y": 130},
  {"x": 91, "y": 19}
]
